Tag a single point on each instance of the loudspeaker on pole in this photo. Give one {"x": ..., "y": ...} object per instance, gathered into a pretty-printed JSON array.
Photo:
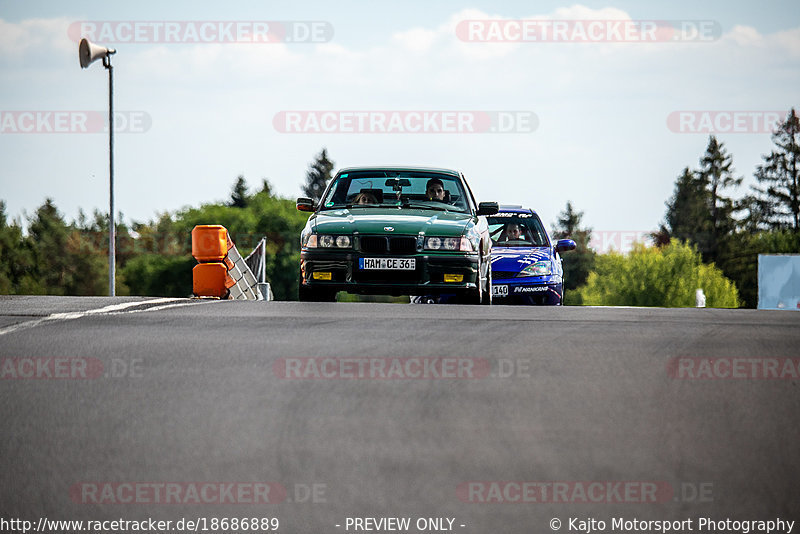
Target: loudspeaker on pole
[{"x": 90, "y": 52}]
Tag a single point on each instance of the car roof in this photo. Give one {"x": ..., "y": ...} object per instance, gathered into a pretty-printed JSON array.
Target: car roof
[
  {"x": 400, "y": 168},
  {"x": 514, "y": 209}
]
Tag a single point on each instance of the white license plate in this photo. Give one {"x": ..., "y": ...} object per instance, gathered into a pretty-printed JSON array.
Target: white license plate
[
  {"x": 387, "y": 264},
  {"x": 499, "y": 291}
]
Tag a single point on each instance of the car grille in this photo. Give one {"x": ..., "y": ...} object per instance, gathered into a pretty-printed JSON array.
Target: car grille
[
  {"x": 502, "y": 275},
  {"x": 403, "y": 245},
  {"x": 393, "y": 245},
  {"x": 375, "y": 245}
]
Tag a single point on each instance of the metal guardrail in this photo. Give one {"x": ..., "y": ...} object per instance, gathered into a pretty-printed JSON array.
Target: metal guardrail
[{"x": 222, "y": 272}]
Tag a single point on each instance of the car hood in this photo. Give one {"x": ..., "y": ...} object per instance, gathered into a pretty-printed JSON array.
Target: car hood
[
  {"x": 404, "y": 221},
  {"x": 517, "y": 258}
]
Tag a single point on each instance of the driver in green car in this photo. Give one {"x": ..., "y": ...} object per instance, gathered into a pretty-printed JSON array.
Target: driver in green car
[{"x": 434, "y": 189}]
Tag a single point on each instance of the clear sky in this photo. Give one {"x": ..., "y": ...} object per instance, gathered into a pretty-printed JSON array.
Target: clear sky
[{"x": 205, "y": 112}]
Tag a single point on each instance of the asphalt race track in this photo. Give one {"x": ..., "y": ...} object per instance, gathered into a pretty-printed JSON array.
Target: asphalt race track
[{"x": 501, "y": 419}]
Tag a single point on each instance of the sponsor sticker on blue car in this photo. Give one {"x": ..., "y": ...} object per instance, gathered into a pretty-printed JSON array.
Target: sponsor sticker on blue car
[{"x": 530, "y": 289}]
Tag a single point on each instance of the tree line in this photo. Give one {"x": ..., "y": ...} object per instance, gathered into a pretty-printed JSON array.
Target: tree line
[
  {"x": 705, "y": 226},
  {"x": 56, "y": 257},
  {"x": 707, "y": 238}
]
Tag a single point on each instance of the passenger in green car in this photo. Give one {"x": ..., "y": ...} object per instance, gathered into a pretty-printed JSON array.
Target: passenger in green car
[{"x": 365, "y": 198}]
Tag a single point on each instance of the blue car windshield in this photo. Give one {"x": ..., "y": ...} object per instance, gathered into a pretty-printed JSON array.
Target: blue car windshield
[
  {"x": 412, "y": 189},
  {"x": 517, "y": 230}
]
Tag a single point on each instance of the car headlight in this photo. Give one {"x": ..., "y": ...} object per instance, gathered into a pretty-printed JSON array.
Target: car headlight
[
  {"x": 540, "y": 268},
  {"x": 473, "y": 241},
  {"x": 328, "y": 241},
  {"x": 461, "y": 244}
]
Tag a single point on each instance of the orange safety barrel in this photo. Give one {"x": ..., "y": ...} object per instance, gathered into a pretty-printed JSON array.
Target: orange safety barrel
[
  {"x": 210, "y": 280},
  {"x": 229, "y": 281},
  {"x": 209, "y": 242}
]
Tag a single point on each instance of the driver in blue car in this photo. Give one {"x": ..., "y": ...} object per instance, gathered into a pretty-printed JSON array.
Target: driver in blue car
[{"x": 513, "y": 232}]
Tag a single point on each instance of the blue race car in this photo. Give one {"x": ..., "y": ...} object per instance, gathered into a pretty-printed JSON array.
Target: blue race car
[{"x": 526, "y": 266}]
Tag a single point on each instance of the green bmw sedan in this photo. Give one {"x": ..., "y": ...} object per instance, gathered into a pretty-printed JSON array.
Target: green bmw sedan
[{"x": 396, "y": 231}]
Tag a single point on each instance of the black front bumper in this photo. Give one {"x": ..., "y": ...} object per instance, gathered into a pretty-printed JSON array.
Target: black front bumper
[{"x": 426, "y": 279}]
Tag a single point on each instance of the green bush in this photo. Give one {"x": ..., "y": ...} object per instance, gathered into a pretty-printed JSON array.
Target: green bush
[
  {"x": 169, "y": 271},
  {"x": 156, "y": 275},
  {"x": 668, "y": 277}
]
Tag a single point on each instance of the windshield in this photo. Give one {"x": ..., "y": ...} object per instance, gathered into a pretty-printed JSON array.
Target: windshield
[
  {"x": 517, "y": 230},
  {"x": 405, "y": 189}
]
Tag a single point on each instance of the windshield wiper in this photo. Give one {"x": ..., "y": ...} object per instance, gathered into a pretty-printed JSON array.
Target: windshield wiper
[
  {"x": 350, "y": 205},
  {"x": 420, "y": 205}
]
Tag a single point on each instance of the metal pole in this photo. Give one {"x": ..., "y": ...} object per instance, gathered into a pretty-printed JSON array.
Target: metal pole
[
  {"x": 263, "y": 259},
  {"x": 111, "y": 226}
]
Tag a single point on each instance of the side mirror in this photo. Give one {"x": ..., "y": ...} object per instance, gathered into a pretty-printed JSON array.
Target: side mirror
[
  {"x": 488, "y": 208},
  {"x": 564, "y": 245},
  {"x": 305, "y": 204}
]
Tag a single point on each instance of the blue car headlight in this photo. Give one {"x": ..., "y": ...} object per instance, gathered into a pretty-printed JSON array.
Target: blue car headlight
[{"x": 540, "y": 268}]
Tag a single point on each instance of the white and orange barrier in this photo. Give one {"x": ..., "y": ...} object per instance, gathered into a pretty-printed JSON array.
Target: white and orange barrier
[{"x": 221, "y": 271}]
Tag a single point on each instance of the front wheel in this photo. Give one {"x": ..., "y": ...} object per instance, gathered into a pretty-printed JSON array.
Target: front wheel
[
  {"x": 487, "y": 293},
  {"x": 483, "y": 293},
  {"x": 472, "y": 297},
  {"x": 310, "y": 294}
]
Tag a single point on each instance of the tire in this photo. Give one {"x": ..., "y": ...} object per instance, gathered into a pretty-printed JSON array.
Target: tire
[
  {"x": 308, "y": 294},
  {"x": 472, "y": 297},
  {"x": 483, "y": 293},
  {"x": 487, "y": 293}
]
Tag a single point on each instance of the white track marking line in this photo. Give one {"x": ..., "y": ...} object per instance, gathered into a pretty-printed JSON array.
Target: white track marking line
[
  {"x": 68, "y": 316},
  {"x": 168, "y": 306}
]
